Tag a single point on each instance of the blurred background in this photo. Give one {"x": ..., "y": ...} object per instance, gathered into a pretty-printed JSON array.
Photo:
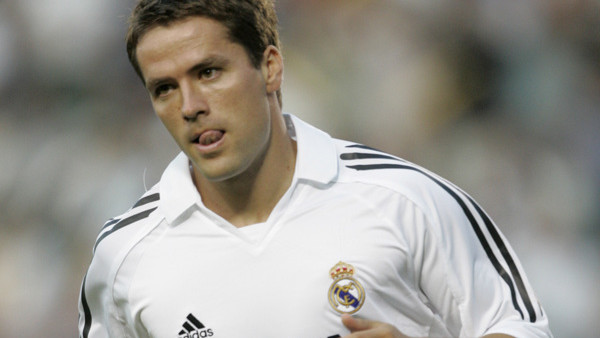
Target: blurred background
[{"x": 500, "y": 97}]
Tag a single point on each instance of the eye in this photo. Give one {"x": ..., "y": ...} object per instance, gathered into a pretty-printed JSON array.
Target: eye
[
  {"x": 209, "y": 73},
  {"x": 162, "y": 90}
]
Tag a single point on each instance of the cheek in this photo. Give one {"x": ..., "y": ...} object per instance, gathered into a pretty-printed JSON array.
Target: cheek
[
  {"x": 246, "y": 91},
  {"x": 251, "y": 106},
  {"x": 169, "y": 118}
]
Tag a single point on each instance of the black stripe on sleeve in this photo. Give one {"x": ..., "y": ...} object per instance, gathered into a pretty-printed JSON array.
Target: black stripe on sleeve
[
  {"x": 87, "y": 315},
  {"x": 362, "y": 146},
  {"x": 476, "y": 228},
  {"x": 146, "y": 200},
  {"x": 142, "y": 201},
  {"x": 509, "y": 260},
  {"x": 360, "y": 156},
  {"x": 124, "y": 222},
  {"x": 110, "y": 222}
]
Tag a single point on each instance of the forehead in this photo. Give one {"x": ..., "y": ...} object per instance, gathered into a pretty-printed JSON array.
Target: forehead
[
  {"x": 191, "y": 30},
  {"x": 177, "y": 47}
]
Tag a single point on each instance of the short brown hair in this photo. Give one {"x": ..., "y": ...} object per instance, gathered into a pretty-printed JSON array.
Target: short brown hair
[{"x": 251, "y": 23}]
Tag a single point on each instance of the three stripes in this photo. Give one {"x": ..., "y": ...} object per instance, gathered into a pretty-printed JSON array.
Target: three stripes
[{"x": 513, "y": 280}]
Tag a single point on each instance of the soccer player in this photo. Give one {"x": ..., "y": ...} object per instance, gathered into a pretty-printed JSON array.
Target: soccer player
[{"x": 265, "y": 226}]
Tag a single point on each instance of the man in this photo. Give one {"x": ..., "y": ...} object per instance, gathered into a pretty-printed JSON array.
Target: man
[{"x": 265, "y": 226}]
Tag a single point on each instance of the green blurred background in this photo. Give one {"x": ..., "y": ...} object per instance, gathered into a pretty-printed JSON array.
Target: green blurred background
[{"x": 500, "y": 97}]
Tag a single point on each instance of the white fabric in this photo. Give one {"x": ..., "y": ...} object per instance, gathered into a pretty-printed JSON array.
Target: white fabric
[{"x": 406, "y": 232}]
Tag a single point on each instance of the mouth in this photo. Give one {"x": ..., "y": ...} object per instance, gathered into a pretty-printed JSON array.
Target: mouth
[{"x": 209, "y": 137}]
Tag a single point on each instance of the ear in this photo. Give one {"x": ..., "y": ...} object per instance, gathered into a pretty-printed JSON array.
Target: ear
[{"x": 272, "y": 69}]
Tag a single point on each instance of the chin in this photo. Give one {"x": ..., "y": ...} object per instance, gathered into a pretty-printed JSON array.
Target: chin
[
  {"x": 226, "y": 168},
  {"x": 218, "y": 173}
]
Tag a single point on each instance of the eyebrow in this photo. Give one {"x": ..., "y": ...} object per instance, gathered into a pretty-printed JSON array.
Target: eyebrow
[{"x": 210, "y": 61}]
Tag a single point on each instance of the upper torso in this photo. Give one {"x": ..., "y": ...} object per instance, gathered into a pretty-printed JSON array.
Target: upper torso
[{"x": 170, "y": 267}]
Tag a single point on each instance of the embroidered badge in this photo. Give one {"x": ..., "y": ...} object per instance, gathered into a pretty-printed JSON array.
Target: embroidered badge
[{"x": 346, "y": 295}]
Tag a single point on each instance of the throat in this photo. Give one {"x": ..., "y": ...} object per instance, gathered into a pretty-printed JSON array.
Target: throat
[
  {"x": 241, "y": 207},
  {"x": 244, "y": 199}
]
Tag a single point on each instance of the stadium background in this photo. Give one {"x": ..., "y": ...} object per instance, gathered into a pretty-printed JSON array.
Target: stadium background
[{"x": 501, "y": 97}]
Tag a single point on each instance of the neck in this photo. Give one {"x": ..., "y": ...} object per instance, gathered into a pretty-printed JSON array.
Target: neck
[{"x": 250, "y": 197}]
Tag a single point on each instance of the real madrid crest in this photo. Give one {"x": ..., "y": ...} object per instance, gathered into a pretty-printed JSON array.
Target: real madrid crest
[{"x": 346, "y": 295}]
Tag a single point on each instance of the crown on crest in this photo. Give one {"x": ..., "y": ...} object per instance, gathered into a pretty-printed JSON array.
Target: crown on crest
[{"x": 341, "y": 270}]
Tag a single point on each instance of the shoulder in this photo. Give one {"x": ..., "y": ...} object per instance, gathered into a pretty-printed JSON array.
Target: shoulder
[
  {"x": 117, "y": 237},
  {"x": 369, "y": 165},
  {"x": 115, "y": 240},
  {"x": 395, "y": 185},
  {"x": 119, "y": 234},
  {"x": 360, "y": 164},
  {"x": 135, "y": 217}
]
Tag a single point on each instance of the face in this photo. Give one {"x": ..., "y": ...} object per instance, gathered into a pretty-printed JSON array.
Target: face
[{"x": 212, "y": 100}]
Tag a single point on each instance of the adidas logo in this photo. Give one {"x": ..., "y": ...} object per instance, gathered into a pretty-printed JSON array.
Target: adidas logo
[{"x": 193, "y": 328}]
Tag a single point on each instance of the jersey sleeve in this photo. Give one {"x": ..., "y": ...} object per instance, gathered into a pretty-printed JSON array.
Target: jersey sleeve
[
  {"x": 97, "y": 317},
  {"x": 99, "y": 314},
  {"x": 467, "y": 270},
  {"x": 92, "y": 313}
]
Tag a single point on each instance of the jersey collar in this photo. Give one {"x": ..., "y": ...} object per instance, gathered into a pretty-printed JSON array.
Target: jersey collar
[
  {"x": 177, "y": 190},
  {"x": 317, "y": 156},
  {"x": 316, "y": 161}
]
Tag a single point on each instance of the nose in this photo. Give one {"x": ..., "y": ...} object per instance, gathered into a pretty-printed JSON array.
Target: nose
[{"x": 193, "y": 103}]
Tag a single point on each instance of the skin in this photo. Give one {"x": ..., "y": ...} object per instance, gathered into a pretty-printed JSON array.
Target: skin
[
  {"x": 201, "y": 82},
  {"x": 363, "y": 328},
  {"x": 224, "y": 115}
]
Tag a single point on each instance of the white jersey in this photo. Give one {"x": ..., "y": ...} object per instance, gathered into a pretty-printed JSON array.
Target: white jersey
[{"x": 358, "y": 232}]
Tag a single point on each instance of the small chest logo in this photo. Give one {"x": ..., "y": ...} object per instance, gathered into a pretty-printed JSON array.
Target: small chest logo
[
  {"x": 346, "y": 295},
  {"x": 193, "y": 328}
]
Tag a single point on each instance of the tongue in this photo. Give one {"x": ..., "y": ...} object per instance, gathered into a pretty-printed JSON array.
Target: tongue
[{"x": 210, "y": 137}]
